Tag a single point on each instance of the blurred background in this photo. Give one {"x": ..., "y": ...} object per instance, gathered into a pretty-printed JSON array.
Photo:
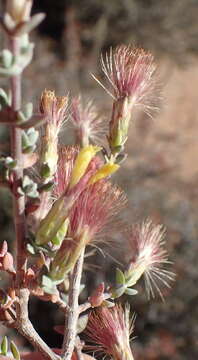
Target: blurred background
[{"x": 160, "y": 175}]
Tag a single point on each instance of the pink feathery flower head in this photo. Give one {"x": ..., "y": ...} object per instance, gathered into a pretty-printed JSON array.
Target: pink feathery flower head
[
  {"x": 110, "y": 330},
  {"x": 146, "y": 242},
  {"x": 130, "y": 72},
  {"x": 95, "y": 209},
  {"x": 87, "y": 122}
]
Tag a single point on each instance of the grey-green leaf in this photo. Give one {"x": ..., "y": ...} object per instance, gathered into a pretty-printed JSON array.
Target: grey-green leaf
[
  {"x": 131, "y": 292},
  {"x": 120, "y": 278}
]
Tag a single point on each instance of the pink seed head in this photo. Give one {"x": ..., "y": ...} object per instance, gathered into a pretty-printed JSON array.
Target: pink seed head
[
  {"x": 110, "y": 330},
  {"x": 130, "y": 72},
  {"x": 87, "y": 122},
  {"x": 95, "y": 208},
  {"x": 146, "y": 242}
]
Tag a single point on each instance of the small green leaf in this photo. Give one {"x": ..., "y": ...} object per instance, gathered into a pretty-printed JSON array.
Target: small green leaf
[
  {"x": 4, "y": 346},
  {"x": 130, "y": 292},
  {"x": 29, "y": 139},
  {"x": 120, "y": 278},
  {"x": 19, "y": 62},
  {"x": 14, "y": 351}
]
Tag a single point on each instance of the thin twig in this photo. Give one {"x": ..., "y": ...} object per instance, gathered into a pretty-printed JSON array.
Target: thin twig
[
  {"x": 25, "y": 327},
  {"x": 73, "y": 313}
]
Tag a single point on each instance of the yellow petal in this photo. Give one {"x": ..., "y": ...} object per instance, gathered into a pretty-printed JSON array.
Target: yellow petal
[
  {"x": 104, "y": 171},
  {"x": 83, "y": 159}
]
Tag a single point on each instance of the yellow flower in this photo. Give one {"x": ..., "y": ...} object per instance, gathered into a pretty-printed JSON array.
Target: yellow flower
[
  {"x": 83, "y": 159},
  {"x": 104, "y": 171}
]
